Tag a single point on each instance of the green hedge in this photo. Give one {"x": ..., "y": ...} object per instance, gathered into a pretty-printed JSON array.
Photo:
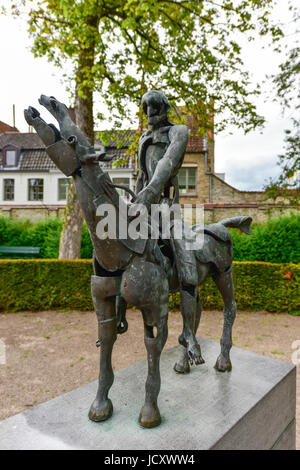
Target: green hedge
[
  {"x": 56, "y": 284},
  {"x": 277, "y": 241}
]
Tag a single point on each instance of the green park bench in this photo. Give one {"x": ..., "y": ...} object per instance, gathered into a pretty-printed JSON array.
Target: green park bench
[{"x": 19, "y": 251}]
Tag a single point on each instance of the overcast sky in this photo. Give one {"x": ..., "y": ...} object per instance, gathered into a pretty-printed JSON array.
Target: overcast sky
[{"x": 247, "y": 161}]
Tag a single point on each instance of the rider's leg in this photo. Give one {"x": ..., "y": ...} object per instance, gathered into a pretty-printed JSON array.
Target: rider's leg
[
  {"x": 186, "y": 264},
  {"x": 182, "y": 366},
  {"x": 188, "y": 277},
  {"x": 188, "y": 304}
]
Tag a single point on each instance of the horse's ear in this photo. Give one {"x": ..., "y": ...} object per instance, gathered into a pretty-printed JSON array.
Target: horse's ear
[
  {"x": 53, "y": 102},
  {"x": 56, "y": 132}
]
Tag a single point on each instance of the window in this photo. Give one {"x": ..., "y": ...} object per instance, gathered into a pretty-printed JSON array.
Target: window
[
  {"x": 8, "y": 189},
  {"x": 63, "y": 184},
  {"x": 187, "y": 178},
  {"x": 123, "y": 182},
  {"x": 11, "y": 158},
  {"x": 35, "y": 189}
]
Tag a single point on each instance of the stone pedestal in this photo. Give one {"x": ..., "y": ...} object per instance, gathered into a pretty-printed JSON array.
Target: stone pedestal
[{"x": 251, "y": 407}]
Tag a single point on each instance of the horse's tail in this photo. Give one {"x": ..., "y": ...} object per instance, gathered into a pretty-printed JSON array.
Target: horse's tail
[{"x": 242, "y": 223}]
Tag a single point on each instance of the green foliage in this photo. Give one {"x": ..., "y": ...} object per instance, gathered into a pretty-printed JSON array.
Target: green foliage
[
  {"x": 287, "y": 85},
  {"x": 57, "y": 284},
  {"x": 277, "y": 241},
  {"x": 44, "y": 234},
  {"x": 190, "y": 49},
  {"x": 287, "y": 185},
  {"x": 86, "y": 243}
]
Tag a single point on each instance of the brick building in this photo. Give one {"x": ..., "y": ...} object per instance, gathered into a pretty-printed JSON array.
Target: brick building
[{"x": 31, "y": 186}]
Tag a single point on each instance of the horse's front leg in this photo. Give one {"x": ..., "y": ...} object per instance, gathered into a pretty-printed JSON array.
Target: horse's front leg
[
  {"x": 121, "y": 306},
  {"x": 104, "y": 290},
  {"x": 156, "y": 334}
]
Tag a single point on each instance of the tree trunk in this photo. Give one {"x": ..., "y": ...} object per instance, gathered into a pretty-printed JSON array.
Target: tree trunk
[{"x": 70, "y": 239}]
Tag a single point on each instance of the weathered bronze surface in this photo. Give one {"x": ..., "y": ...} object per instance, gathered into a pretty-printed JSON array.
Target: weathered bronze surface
[{"x": 136, "y": 271}]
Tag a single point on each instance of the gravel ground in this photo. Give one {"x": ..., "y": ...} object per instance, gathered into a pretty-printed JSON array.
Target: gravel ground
[{"x": 49, "y": 353}]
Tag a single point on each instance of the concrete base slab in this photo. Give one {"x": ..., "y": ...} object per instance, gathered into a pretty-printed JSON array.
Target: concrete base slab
[{"x": 251, "y": 407}]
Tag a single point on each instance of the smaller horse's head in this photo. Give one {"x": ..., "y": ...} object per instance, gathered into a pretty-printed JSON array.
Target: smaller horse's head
[
  {"x": 31, "y": 114},
  {"x": 68, "y": 149},
  {"x": 61, "y": 151},
  {"x": 47, "y": 132}
]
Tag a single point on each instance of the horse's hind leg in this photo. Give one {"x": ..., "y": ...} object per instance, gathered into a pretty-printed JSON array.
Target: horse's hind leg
[
  {"x": 225, "y": 285},
  {"x": 104, "y": 297},
  {"x": 156, "y": 333},
  {"x": 182, "y": 366}
]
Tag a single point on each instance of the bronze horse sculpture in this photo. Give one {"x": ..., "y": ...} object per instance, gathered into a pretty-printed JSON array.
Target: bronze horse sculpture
[{"x": 135, "y": 270}]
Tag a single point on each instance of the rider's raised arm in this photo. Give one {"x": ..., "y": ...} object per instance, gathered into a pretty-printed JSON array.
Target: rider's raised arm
[{"x": 172, "y": 159}]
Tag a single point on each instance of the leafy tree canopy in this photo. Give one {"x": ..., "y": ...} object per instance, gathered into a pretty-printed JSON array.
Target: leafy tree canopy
[
  {"x": 287, "y": 85},
  {"x": 189, "y": 49}
]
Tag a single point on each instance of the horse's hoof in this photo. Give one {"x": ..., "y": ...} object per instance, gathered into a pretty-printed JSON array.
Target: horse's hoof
[
  {"x": 194, "y": 353},
  {"x": 223, "y": 365},
  {"x": 182, "y": 368},
  {"x": 149, "y": 417},
  {"x": 101, "y": 411}
]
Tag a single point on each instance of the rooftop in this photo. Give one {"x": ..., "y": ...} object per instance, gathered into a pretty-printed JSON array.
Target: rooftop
[
  {"x": 7, "y": 128},
  {"x": 36, "y": 160},
  {"x": 22, "y": 140},
  {"x": 34, "y": 157}
]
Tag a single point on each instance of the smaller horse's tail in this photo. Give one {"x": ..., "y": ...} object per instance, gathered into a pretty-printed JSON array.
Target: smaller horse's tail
[{"x": 242, "y": 223}]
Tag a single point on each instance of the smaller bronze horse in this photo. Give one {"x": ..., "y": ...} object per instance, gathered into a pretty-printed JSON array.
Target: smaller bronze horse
[{"x": 134, "y": 269}]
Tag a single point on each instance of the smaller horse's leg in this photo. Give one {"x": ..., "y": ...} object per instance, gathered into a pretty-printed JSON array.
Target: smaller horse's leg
[
  {"x": 154, "y": 342},
  {"x": 104, "y": 297},
  {"x": 224, "y": 283},
  {"x": 182, "y": 366}
]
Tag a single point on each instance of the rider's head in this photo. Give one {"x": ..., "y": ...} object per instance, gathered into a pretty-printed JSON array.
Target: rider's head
[{"x": 156, "y": 106}]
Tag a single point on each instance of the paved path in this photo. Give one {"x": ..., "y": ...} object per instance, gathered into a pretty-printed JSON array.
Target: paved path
[{"x": 50, "y": 353}]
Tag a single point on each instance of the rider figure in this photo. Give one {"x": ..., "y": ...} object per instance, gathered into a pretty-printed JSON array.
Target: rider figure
[{"x": 161, "y": 153}]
